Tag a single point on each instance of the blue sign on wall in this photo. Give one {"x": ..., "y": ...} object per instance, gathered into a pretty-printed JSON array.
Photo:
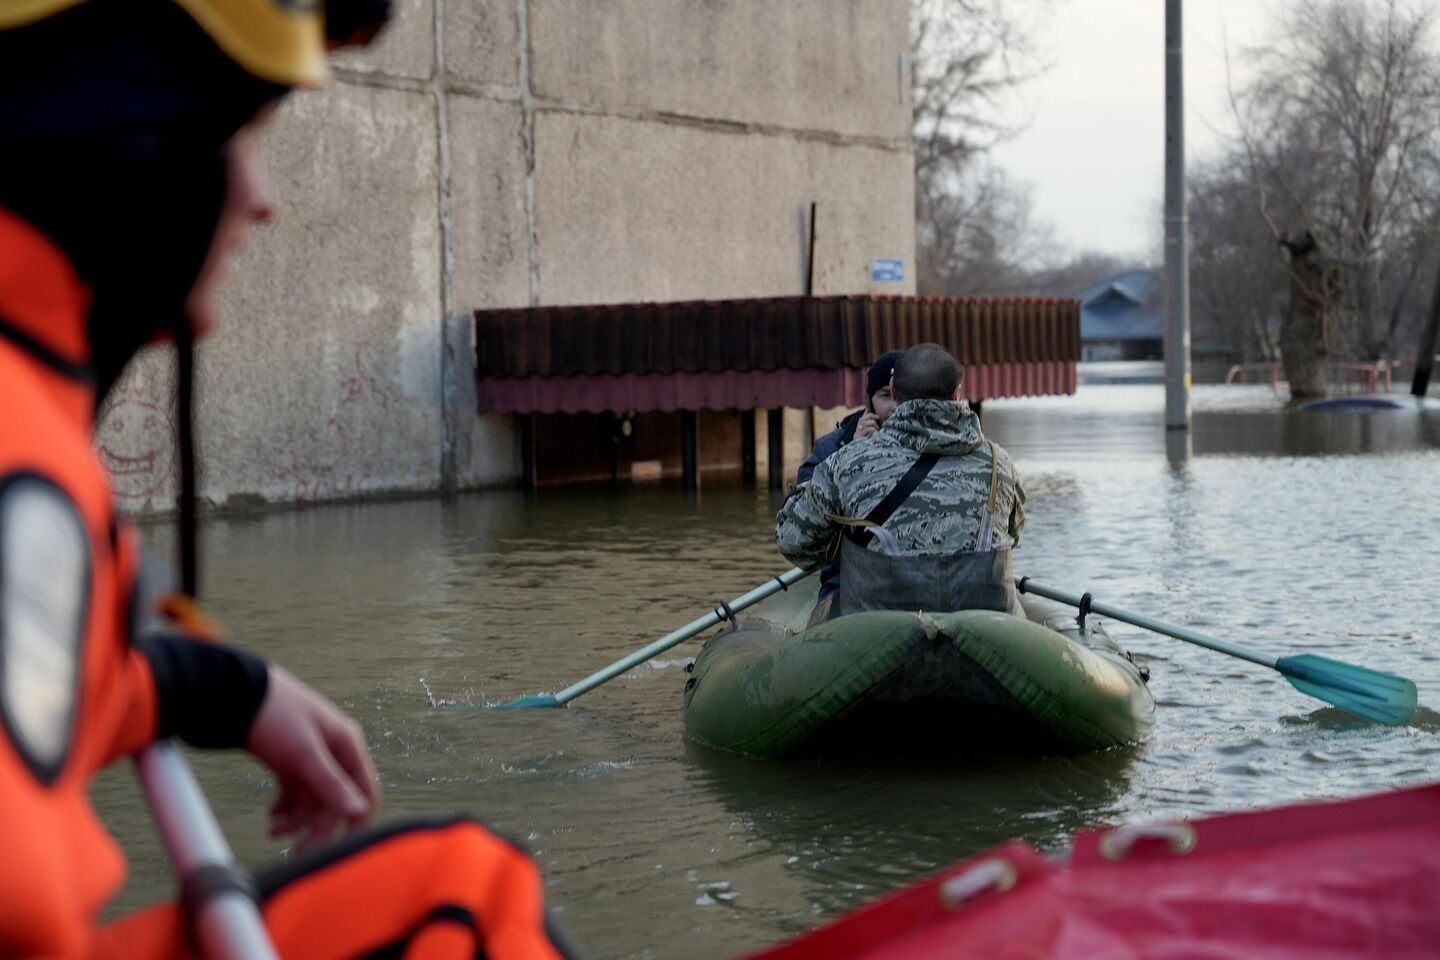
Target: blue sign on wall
[{"x": 887, "y": 271}]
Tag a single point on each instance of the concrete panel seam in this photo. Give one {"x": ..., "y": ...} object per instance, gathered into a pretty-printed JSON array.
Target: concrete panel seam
[
  {"x": 486, "y": 91},
  {"x": 527, "y": 103},
  {"x": 715, "y": 125}
]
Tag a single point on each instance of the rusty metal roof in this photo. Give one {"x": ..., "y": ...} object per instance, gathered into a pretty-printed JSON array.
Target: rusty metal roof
[{"x": 791, "y": 351}]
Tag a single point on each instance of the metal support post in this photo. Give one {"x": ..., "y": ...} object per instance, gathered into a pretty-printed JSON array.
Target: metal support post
[
  {"x": 1177, "y": 243},
  {"x": 689, "y": 449},
  {"x": 747, "y": 447}
]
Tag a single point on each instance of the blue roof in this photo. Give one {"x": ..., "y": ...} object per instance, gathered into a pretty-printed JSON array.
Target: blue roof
[{"x": 1127, "y": 306}]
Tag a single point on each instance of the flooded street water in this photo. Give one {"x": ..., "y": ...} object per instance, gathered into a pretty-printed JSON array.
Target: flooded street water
[{"x": 1287, "y": 532}]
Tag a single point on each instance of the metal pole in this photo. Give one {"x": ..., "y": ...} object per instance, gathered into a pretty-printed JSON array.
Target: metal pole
[
  {"x": 1026, "y": 585},
  {"x": 717, "y": 616},
  {"x": 1177, "y": 244},
  {"x": 775, "y": 442},
  {"x": 227, "y": 924},
  {"x": 810, "y": 265},
  {"x": 747, "y": 447},
  {"x": 528, "y": 478}
]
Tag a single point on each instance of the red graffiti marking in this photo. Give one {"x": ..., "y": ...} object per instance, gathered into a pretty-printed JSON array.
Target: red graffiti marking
[
  {"x": 315, "y": 457},
  {"x": 135, "y": 437}
]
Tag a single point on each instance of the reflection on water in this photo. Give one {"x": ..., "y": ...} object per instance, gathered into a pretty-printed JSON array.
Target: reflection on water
[
  {"x": 857, "y": 829},
  {"x": 1129, "y": 421},
  {"x": 1283, "y": 531}
]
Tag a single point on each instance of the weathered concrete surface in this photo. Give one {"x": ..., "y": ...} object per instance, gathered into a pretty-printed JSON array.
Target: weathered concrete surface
[
  {"x": 481, "y": 41},
  {"x": 824, "y": 65},
  {"x": 491, "y": 229},
  {"x": 641, "y": 210},
  {"x": 323, "y": 380},
  {"x": 534, "y": 151},
  {"x": 490, "y": 233}
]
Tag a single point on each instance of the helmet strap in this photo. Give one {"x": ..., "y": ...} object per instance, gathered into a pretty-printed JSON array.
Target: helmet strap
[{"x": 185, "y": 441}]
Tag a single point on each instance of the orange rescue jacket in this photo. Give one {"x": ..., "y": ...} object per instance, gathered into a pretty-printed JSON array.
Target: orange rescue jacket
[{"x": 60, "y": 865}]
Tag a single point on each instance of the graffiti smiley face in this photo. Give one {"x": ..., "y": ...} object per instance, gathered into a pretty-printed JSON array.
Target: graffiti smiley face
[{"x": 136, "y": 441}]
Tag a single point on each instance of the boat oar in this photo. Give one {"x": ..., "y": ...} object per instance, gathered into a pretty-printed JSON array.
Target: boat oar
[
  {"x": 1382, "y": 697},
  {"x": 225, "y": 919},
  {"x": 216, "y": 893},
  {"x": 720, "y": 614}
]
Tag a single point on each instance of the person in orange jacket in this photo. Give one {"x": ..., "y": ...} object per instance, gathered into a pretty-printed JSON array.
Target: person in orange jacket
[{"x": 128, "y": 174}]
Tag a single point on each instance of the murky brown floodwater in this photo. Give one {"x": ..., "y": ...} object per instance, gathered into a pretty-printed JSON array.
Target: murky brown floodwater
[{"x": 1285, "y": 531}]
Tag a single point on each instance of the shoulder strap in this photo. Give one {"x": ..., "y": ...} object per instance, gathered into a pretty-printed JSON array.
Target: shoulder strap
[
  {"x": 994, "y": 472},
  {"x": 918, "y": 471}
]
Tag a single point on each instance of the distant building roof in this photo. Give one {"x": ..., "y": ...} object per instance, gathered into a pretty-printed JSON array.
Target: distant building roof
[{"x": 1127, "y": 306}]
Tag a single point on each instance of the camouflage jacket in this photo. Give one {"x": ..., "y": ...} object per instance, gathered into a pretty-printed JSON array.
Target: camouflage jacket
[{"x": 942, "y": 516}]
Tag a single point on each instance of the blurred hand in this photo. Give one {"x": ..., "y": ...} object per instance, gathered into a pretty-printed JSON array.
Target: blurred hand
[
  {"x": 867, "y": 425},
  {"x": 319, "y": 756}
]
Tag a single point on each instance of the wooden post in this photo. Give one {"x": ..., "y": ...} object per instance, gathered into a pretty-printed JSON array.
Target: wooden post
[
  {"x": 747, "y": 447},
  {"x": 612, "y": 422},
  {"x": 775, "y": 430},
  {"x": 528, "y": 478},
  {"x": 689, "y": 449}
]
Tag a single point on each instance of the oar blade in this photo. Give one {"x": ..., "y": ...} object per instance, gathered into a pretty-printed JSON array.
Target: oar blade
[
  {"x": 535, "y": 702},
  {"x": 1382, "y": 697}
]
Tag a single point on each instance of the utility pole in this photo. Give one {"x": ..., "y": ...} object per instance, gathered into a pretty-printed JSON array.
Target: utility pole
[{"x": 1177, "y": 229}]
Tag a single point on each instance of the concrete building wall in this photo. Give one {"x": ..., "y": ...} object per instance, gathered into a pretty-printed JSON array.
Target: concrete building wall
[{"x": 504, "y": 153}]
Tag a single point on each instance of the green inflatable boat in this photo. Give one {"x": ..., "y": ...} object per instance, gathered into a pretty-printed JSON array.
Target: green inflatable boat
[{"x": 976, "y": 681}]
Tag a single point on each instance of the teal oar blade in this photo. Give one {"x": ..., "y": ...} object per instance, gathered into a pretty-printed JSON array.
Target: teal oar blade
[
  {"x": 1382, "y": 697},
  {"x": 532, "y": 702},
  {"x": 719, "y": 615}
]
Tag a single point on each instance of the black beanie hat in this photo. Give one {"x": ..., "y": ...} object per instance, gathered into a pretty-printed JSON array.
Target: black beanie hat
[
  {"x": 113, "y": 129},
  {"x": 880, "y": 373}
]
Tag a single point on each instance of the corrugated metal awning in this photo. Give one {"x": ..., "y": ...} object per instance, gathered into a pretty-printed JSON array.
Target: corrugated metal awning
[{"x": 749, "y": 354}]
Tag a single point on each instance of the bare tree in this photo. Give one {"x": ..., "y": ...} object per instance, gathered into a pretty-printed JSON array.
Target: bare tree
[
  {"x": 979, "y": 237},
  {"x": 1076, "y": 274},
  {"x": 1237, "y": 284},
  {"x": 1336, "y": 126},
  {"x": 973, "y": 224}
]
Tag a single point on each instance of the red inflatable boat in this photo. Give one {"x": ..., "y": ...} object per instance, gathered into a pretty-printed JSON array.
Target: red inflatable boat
[{"x": 1339, "y": 880}]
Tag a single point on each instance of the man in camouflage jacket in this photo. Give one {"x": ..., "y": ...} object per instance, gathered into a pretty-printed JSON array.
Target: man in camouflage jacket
[{"x": 946, "y": 512}]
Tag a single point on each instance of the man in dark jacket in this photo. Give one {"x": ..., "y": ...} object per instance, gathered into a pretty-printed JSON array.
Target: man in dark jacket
[{"x": 879, "y": 404}]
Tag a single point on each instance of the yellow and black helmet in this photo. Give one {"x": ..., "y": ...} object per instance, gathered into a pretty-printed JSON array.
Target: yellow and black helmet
[{"x": 282, "y": 41}]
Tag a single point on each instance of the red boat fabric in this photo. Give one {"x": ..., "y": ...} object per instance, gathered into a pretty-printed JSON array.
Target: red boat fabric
[{"x": 1337, "y": 880}]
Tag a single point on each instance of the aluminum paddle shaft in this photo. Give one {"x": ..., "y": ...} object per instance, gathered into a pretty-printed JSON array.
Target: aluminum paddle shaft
[
  {"x": 226, "y": 921},
  {"x": 1373, "y": 694},
  {"x": 719, "y": 615},
  {"x": 1026, "y": 585}
]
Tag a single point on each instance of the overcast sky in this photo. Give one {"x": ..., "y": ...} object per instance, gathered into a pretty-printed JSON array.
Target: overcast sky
[{"x": 1094, "y": 149}]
